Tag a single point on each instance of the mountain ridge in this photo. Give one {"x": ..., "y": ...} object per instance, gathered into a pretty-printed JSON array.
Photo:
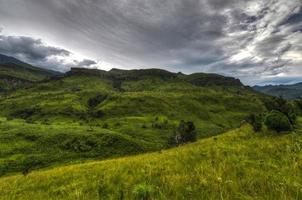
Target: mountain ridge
[
  {"x": 292, "y": 91},
  {"x": 199, "y": 79}
]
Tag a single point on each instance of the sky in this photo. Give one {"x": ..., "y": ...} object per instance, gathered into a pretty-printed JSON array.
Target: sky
[{"x": 258, "y": 41}]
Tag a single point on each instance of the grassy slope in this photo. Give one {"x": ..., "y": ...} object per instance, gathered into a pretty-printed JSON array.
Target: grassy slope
[
  {"x": 13, "y": 76},
  {"x": 55, "y": 115},
  {"x": 37, "y": 145},
  {"x": 240, "y": 164}
]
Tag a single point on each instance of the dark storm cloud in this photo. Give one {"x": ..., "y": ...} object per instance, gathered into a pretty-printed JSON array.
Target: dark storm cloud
[
  {"x": 35, "y": 52},
  {"x": 28, "y": 48},
  {"x": 86, "y": 62},
  {"x": 246, "y": 39},
  {"x": 83, "y": 63}
]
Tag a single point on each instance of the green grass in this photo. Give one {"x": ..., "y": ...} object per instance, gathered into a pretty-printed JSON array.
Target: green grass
[
  {"x": 52, "y": 123},
  {"x": 239, "y": 164},
  {"x": 13, "y": 76},
  {"x": 39, "y": 145},
  {"x": 73, "y": 134}
]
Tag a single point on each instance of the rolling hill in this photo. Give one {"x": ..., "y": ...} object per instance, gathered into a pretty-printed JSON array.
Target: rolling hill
[
  {"x": 286, "y": 91},
  {"x": 15, "y": 73},
  {"x": 239, "y": 164},
  {"x": 94, "y": 114},
  {"x": 78, "y": 136}
]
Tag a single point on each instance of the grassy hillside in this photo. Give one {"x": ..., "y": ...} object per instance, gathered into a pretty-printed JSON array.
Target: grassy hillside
[
  {"x": 286, "y": 91},
  {"x": 25, "y": 145},
  {"x": 15, "y": 73},
  {"x": 92, "y": 114},
  {"x": 239, "y": 164}
]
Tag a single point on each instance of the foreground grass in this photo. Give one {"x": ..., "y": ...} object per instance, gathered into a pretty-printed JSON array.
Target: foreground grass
[{"x": 240, "y": 164}]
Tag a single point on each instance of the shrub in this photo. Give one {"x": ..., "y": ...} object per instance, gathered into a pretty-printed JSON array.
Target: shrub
[
  {"x": 25, "y": 112},
  {"x": 79, "y": 144},
  {"x": 255, "y": 121},
  {"x": 185, "y": 132},
  {"x": 298, "y": 102},
  {"x": 160, "y": 123},
  {"x": 105, "y": 125},
  {"x": 292, "y": 116},
  {"x": 31, "y": 137},
  {"x": 26, "y": 170},
  {"x": 157, "y": 125},
  {"x": 117, "y": 124},
  {"x": 96, "y": 100},
  {"x": 98, "y": 114},
  {"x": 282, "y": 106},
  {"x": 32, "y": 162},
  {"x": 275, "y": 120}
]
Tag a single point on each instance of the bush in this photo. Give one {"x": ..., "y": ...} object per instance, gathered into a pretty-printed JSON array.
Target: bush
[
  {"x": 282, "y": 106},
  {"x": 185, "y": 132},
  {"x": 96, "y": 100},
  {"x": 160, "y": 124},
  {"x": 25, "y": 112},
  {"x": 98, "y": 114},
  {"x": 255, "y": 121},
  {"x": 298, "y": 102},
  {"x": 79, "y": 144},
  {"x": 275, "y": 120},
  {"x": 32, "y": 162}
]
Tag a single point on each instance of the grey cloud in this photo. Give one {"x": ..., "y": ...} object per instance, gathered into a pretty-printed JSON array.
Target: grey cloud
[
  {"x": 28, "y": 48},
  {"x": 83, "y": 63},
  {"x": 35, "y": 52},
  {"x": 86, "y": 62}
]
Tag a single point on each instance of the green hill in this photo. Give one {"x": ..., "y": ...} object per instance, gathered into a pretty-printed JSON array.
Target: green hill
[
  {"x": 286, "y": 91},
  {"x": 94, "y": 114},
  {"x": 239, "y": 164},
  {"x": 15, "y": 73}
]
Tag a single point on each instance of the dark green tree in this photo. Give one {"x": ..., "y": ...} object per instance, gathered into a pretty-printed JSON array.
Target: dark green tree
[
  {"x": 185, "y": 132},
  {"x": 276, "y": 120},
  {"x": 283, "y": 106}
]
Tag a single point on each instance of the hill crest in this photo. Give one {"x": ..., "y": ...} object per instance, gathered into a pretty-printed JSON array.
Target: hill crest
[{"x": 198, "y": 79}]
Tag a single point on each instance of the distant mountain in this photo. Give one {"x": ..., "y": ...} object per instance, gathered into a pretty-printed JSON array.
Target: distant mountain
[
  {"x": 7, "y": 59},
  {"x": 197, "y": 79},
  {"x": 286, "y": 91},
  {"x": 15, "y": 73}
]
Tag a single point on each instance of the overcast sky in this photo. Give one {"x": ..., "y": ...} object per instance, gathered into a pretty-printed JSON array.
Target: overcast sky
[{"x": 258, "y": 41}]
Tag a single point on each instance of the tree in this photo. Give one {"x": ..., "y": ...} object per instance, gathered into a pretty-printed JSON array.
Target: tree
[
  {"x": 185, "y": 132},
  {"x": 276, "y": 120},
  {"x": 283, "y": 106}
]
